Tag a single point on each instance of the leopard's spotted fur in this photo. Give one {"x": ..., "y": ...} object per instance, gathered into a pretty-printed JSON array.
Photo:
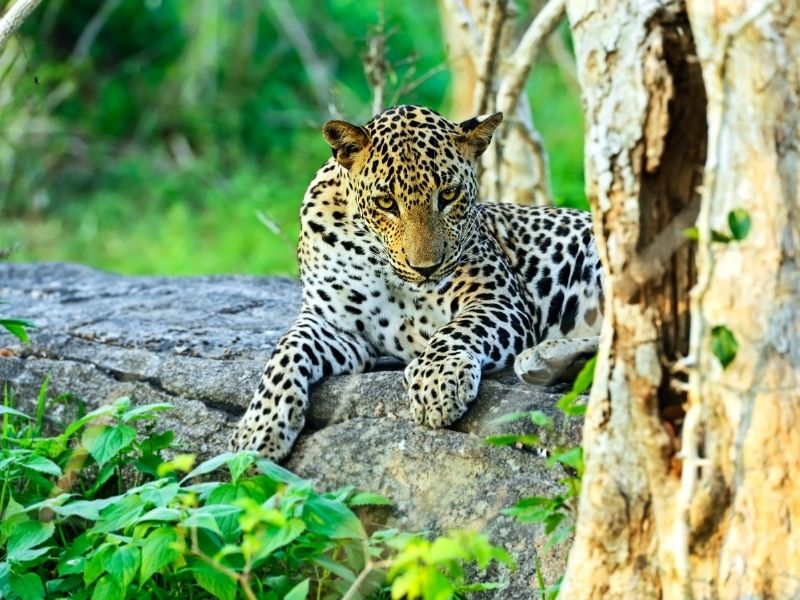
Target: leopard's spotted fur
[{"x": 399, "y": 258}]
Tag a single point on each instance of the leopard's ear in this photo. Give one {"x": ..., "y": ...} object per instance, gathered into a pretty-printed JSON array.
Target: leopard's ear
[
  {"x": 477, "y": 133},
  {"x": 346, "y": 141}
]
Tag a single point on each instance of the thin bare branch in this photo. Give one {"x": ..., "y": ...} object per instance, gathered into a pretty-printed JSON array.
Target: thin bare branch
[
  {"x": 409, "y": 87},
  {"x": 466, "y": 24},
  {"x": 652, "y": 262},
  {"x": 488, "y": 57},
  {"x": 375, "y": 61},
  {"x": 522, "y": 59},
  {"x": 315, "y": 67},
  {"x": 15, "y": 17},
  {"x": 564, "y": 61},
  {"x": 93, "y": 29}
]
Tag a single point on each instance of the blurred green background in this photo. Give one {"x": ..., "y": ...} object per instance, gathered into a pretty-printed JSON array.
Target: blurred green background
[{"x": 178, "y": 136}]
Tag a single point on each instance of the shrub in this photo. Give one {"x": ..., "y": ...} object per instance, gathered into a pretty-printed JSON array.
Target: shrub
[{"x": 95, "y": 511}]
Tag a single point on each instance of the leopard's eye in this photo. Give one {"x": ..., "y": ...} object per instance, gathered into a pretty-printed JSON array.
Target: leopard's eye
[
  {"x": 386, "y": 203},
  {"x": 448, "y": 194}
]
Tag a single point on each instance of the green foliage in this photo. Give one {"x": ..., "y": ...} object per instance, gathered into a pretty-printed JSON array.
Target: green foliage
[
  {"x": 724, "y": 345},
  {"x": 180, "y": 139},
  {"x": 97, "y": 512},
  {"x": 739, "y": 223},
  {"x": 434, "y": 570},
  {"x": 17, "y": 327},
  {"x": 555, "y": 513}
]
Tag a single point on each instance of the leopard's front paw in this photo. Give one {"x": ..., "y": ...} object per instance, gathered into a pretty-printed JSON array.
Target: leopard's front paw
[
  {"x": 440, "y": 388},
  {"x": 268, "y": 427}
]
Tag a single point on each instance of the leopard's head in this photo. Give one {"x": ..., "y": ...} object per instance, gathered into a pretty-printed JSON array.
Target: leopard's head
[{"x": 412, "y": 175}]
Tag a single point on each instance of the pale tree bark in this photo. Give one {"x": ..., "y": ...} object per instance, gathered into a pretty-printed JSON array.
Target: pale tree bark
[
  {"x": 744, "y": 518},
  {"x": 713, "y": 514},
  {"x": 14, "y": 17},
  {"x": 515, "y": 168}
]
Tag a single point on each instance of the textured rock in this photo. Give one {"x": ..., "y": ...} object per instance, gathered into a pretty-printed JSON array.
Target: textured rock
[{"x": 200, "y": 344}]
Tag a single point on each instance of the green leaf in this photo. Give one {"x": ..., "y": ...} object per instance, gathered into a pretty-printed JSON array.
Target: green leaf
[
  {"x": 5, "y": 579},
  {"x": 7, "y": 410},
  {"x": 27, "y": 587},
  {"x": 41, "y": 402},
  {"x": 119, "y": 515},
  {"x": 276, "y": 472},
  {"x": 227, "y": 493},
  {"x": 739, "y": 221},
  {"x": 444, "y": 550},
  {"x": 160, "y": 495},
  {"x": 108, "y": 589},
  {"x": 438, "y": 587},
  {"x": 160, "y": 513},
  {"x": 280, "y": 537},
  {"x": 482, "y": 587},
  {"x": 691, "y": 233},
  {"x": 104, "y": 442},
  {"x": 368, "y": 499},
  {"x": 158, "y": 552},
  {"x": 584, "y": 379},
  {"x": 238, "y": 464},
  {"x": 724, "y": 345},
  {"x": 718, "y": 236},
  {"x": 509, "y": 439},
  {"x": 16, "y": 327},
  {"x": 572, "y": 457},
  {"x": 212, "y": 464},
  {"x": 97, "y": 563},
  {"x": 541, "y": 419},
  {"x": 123, "y": 565},
  {"x": 331, "y": 519},
  {"x": 86, "y": 509},
  {"x": 104, "y": 410},
  {"x": 207, "y": 517},
  {"x": 511, "y": 417},
  {"x": 298, "y": 592},
  {"x": 25, "y": 537},
  {"x": 157, "y": 441},
  {"x": 106, "y": 472},
  {"x": 147, "y": 411},
  {"x": 42, "y": 465},
  {"x": 214, "y": 582},
  {"x": 12, "y": 508},
  {"x": 335, "y": 567}
]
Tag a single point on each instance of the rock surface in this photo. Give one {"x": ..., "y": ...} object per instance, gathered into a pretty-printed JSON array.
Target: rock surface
[{"x": 200, "y": 343}]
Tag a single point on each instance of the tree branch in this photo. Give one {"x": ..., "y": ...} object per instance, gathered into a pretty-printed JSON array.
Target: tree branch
[
  {"x": 466, "y": 24},
  {"x": 488, "y": 56},
  {"x": 317, "y": 70},
  {"x": 522, "y": 59},
  {"x": 93, "y": 29},
  {"x": 14, "y": 18}
]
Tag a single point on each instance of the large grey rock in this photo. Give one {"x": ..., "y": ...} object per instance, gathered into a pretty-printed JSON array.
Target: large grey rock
[{"x": 200, "y": 344}]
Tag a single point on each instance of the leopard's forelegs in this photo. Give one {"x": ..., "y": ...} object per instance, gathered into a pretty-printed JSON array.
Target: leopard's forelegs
[{"x": 310, "y": 349}]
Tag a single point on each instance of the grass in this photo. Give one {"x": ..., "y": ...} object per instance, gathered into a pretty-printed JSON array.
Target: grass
[{"x": 143, "y": 213}]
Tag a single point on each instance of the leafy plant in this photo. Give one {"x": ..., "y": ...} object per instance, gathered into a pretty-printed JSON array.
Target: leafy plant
[
  {"x": 16, "y": 327},
  {"x": 739, "y": 223},
  {"x": 97, "y": 512},
  {"x": 555, "y": 513},
  {"x": 724, "y": 345}
]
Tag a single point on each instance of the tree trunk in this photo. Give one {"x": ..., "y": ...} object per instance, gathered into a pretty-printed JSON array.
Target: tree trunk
[
  {"x": 712, "y": 516},
  {"x": 746, "y": 499}
]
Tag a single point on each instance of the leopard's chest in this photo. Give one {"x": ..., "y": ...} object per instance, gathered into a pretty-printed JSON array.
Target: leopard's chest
[{"x": 396, "y": 320}]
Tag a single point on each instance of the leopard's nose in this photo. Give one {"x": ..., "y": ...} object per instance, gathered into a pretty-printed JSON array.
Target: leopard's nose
[{"x": 427, "y": 270}]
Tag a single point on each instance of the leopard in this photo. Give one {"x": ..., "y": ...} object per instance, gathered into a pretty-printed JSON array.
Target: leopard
[{"x": 400, "y": 259}]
